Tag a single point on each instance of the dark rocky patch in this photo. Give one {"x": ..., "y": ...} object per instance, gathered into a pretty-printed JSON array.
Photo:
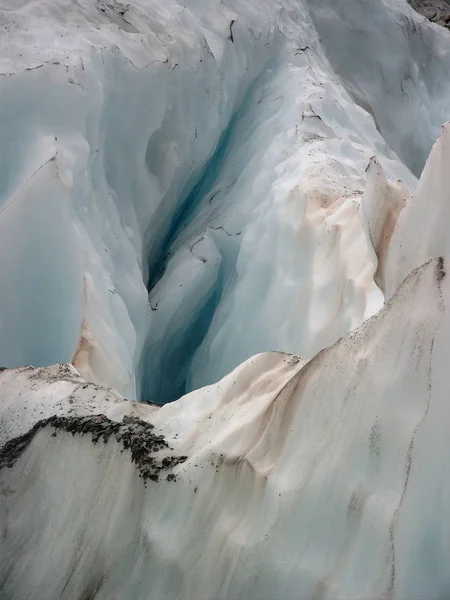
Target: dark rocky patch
[
  {"x": 440, "y": 269},
  {"x": 231, "y": 37},
  {"x": 134, "y": 434},
  {"x": 437, "y": 11}
]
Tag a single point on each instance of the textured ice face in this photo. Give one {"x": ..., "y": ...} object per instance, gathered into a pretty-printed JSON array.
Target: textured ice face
[
  {"x": 207, "y": 152},
  {"x": 395, "y": 65},
  {"x": 284, "y": 480},
  {"x": 185, "y": 187}
]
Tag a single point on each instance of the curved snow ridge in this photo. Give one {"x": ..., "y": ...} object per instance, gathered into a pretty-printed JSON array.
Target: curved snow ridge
[
  {"x": 381, "y": 205},
  {"x": 302, "y": 480},
  {"x": 405, "y": 232},
  {"x": 419, "y": 234}
]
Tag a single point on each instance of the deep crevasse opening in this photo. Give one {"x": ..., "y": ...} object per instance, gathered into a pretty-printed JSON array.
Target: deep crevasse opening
[
  {"x": 114, "y": 103},
  {"x": 288, "y": 478},
  {"x": 205, "y": 268},
  {"x": 411, "y": 86},
  {"x": 246, "y": 226}
]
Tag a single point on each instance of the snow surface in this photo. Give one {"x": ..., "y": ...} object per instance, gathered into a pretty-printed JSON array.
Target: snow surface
[
  {"x": 186, "y": 187},
  {"x": 317, "y": 480}
]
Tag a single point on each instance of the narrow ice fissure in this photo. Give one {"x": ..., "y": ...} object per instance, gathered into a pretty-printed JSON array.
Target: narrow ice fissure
[
  {"x": 196, "y": 259},
  {"x": 189, "y": 203},
  {"x": 167, "y": 357}
]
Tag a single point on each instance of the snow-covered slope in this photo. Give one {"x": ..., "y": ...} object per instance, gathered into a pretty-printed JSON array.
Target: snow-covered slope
[
  {"x": 295, "y": 481},
  {"x": 196, "y": 194}
]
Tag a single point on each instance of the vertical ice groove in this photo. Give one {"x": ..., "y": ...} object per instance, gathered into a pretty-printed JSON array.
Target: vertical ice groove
[{"x": 166, "y": 362}]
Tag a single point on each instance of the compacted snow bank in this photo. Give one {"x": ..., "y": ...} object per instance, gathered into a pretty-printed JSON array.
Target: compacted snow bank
[{"x": 284, "y": 480}]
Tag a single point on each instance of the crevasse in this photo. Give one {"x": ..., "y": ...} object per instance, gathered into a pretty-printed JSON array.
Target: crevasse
[
  {"x": 215, "y": 207},
  {"x": 140, "y": 125}
]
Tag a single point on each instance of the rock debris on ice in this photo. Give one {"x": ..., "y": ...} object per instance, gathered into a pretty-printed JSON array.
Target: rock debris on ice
[
  {"x": 437, "y": 11},
  {"x": 135, "y": 435}
]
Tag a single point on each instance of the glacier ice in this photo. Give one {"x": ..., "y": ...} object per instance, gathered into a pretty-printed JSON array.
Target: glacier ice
[
  {"x": 219, "y": 136},
  {"x": 301, "y": 480},
  {"x": 193, "y": 196}
]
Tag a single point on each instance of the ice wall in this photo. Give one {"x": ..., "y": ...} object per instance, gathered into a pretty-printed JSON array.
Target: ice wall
[
  {"x": 183, "y": 188},
  {"x": 320, "y": 480},
  {"x": 395, "y": 64},
  {"x": 207, "y": 153},
  {"x": 126, "y": 114}
]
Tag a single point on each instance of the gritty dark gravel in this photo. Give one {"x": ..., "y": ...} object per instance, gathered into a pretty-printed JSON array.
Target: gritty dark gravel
[
  {"x": 437, "y": 11},
  {"x": 134, "y": 434}
]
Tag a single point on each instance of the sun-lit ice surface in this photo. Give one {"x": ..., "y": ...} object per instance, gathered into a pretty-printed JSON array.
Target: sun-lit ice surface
[
  {"x": 207, "y": 151},
  {"x": 197, "y": 194}
]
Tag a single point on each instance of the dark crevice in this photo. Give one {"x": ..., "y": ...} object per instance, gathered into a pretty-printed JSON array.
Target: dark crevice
[
  {"x": 166, "y": 361},
  {"x": 192, "y": 199},
  {"x": 195, "y": 191}
]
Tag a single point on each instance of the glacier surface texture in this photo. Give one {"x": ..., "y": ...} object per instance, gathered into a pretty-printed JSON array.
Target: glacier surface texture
[{"x": 224, "y": 308}]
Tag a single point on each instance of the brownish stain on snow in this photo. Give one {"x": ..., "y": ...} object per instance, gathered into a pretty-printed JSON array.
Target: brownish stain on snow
[{"x": 382, "y": 246}]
